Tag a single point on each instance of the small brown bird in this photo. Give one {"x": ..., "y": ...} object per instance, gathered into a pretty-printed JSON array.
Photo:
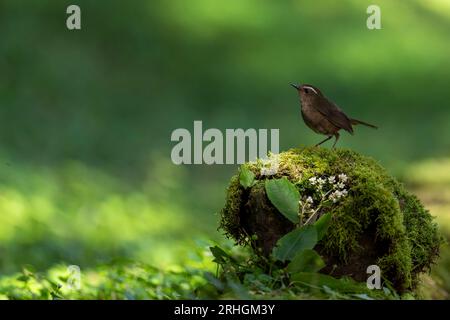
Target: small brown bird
[{"x": 322, "y": 115}]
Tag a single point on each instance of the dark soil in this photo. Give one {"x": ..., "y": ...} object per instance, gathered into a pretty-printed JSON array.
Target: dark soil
[{"x": 259, "y": 217}]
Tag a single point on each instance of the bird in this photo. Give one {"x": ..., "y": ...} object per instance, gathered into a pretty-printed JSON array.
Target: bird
[{"x": 322, "y": 115}]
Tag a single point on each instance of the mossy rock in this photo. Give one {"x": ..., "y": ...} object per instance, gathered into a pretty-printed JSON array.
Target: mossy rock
[{"x": 378, "y": 222}]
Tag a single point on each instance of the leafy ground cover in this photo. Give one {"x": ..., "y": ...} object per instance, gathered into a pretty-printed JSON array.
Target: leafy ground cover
[{"x": 220, "y": 269}]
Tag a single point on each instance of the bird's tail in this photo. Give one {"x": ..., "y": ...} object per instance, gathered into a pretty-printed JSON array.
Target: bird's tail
[{"x": 354, "y": 121}]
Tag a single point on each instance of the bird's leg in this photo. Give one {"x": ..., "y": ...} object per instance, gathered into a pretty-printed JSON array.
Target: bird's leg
[
  {"x": 329, "y": 137},
  {"x": 337, "y": 138}
]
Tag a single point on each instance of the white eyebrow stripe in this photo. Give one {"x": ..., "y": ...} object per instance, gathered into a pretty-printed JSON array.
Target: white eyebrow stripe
[{"x": 311, "y": 88}]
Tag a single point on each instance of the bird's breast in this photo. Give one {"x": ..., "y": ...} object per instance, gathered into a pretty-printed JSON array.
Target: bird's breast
[{"x": 317, "y": 121}]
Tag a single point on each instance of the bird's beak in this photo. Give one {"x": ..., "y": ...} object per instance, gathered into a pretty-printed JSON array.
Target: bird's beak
[{"x": 296, "y": 86}]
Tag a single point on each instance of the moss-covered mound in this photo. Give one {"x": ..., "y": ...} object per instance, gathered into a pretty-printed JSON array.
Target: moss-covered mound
[{"x": 377, "y": 222}]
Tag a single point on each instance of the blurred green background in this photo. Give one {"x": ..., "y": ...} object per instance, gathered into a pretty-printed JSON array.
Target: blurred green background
[{"x": 86, "y": 116}]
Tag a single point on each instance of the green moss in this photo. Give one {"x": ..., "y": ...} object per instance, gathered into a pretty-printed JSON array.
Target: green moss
[
  {"x": 230, "y": 215},
  {"x": 405, "y": 239}
]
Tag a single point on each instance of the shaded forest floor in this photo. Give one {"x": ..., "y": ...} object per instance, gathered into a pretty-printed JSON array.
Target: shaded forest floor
[{"x": 195, "y": 276}]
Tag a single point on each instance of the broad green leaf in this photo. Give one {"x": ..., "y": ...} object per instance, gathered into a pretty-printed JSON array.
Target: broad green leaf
[
  {"x": 342, "y": 285},
  {"x": 23, "y": 278},
  {"x": 322, "y": 225},
  {"x": 214, "y": 281},
  {"x": 239, "y": 290},
  {"x": 220, "y": 256},
  {"x": 246, "y": 177},
  {"x": 306, "y": 261},
  {"x": 284, "y": 196},
  {"x": 295, "y": 241},
  {"x": 363, "y": 296}
]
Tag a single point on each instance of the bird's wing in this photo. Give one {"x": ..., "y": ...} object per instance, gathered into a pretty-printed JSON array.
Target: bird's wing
[{"x": 334, "y": 114}]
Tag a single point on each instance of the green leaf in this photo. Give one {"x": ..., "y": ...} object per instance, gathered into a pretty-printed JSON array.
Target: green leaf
[
  {"x": 306, "y": 261},
  {"x": 213, "y": 281},
  {"x": 220, "y": 256},
  {"x": 363, "y": 296},
  {"x": 322, "y": 225},
  {"x": 284, "y": 196},
  {"x": 342, "y": 285},
  {"x": 23, "y": 278},
  {"x": 246, "y": 177},
  {"x": 293, "y": 242}
]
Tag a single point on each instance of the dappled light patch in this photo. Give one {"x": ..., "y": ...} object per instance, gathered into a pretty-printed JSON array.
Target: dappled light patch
[{"x": 85, "y": 216}]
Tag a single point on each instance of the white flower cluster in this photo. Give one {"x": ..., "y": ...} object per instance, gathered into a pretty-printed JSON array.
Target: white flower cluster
[
  {"x": 336, "y": 195},
  {"x": 316, "y": 182},
  {"x": 340, "y": 186},
  {"x": 327, "y": 189},
  {"x": 335, "y": 184},
  {"x": 306, "y": 205},
  {"x": 343, "y": 177}
]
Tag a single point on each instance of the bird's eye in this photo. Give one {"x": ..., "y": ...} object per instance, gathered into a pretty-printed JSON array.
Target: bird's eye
[{"x": 306, "y": 90}]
